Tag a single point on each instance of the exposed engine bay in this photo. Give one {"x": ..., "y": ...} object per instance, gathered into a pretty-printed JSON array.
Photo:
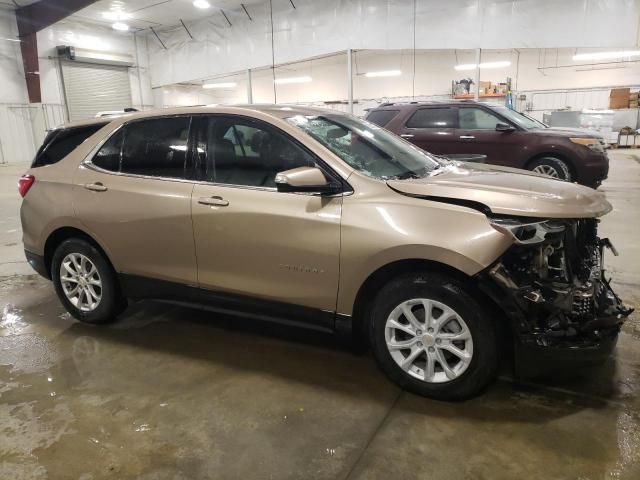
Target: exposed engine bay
[{"x": 552, "y": 280}]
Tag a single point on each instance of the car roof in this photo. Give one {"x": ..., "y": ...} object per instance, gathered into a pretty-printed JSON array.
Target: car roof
[
  {"x": 410, "y": 105},
  {"x": 278, "y": 111}
]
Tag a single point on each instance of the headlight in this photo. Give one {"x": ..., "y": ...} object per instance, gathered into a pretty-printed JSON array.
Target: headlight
[
  {"x": 592, "y": 143},
  {"x": 526, "y": 232}
]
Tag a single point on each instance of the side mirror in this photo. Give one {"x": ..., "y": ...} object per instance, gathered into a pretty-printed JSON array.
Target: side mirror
[
  {"x": 503, "y": 127},
  {"x": 304, "y": 179}
]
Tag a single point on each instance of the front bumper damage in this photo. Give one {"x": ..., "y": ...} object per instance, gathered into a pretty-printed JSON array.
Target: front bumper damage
[{"x": 551, "y": 283}]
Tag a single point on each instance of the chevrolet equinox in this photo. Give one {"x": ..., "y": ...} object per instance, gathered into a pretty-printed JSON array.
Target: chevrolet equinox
[{"x": 312, "y": 217}]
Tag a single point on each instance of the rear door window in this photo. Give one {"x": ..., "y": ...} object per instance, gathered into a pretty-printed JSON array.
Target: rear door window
[
  {"x": 156, "y": 147},
  {"x": 60, "y": 143},
  {"x": 381, "y": 117},
  {"x": 433, "y": 118}
]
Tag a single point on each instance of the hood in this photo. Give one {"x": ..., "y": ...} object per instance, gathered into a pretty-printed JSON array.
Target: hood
[
  {"x": 506, "y": 191},
  {"x": 568, "y": 132}
]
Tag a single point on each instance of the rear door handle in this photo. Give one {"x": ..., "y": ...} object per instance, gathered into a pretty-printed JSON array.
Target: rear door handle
[
  {"x": 215, "y": 201},
  {"x": 467, "y": 137},
  {"x": 406, "y": 135},
  {"x": 95, "y": 187}
]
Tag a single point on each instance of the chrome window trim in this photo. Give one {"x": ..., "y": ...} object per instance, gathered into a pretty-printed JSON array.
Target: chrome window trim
[{"x": 88, "y": 163}]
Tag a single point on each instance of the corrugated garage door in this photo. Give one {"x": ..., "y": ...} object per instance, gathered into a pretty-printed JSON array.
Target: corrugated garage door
[{"x": 94, "y": 88}]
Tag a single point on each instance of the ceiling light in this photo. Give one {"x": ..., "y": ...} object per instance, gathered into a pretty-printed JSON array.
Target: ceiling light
[
  {"x": 201, "y": 4},
  {"x": 123, "y": 27},
  {"x": 220, "y": 85},
  {"x": 606, "y": 55},
  {"x": 472, "y": 66},
  {"x": 282, "y": 81},
  {"x": 384, "y": 73},
  {"x": 116, "y": 15}
]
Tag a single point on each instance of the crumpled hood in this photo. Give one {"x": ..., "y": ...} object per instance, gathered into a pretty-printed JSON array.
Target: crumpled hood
[{"x": 506, "y": 191}]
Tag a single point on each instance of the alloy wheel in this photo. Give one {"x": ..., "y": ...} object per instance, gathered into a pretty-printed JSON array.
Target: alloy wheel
[
  {"x": 429, "y": 340},
  {"x": 81, "y": 282},
  {"x": 547, "y": 170}
]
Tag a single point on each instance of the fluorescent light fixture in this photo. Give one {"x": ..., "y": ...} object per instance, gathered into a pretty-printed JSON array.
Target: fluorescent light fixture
[
  {"x": 220, "y": 85},
  {"x": 283, "y": 81},
  {"x": 201, "y": 4},
  {"x": 123, "y": 27},
  {"x": 606, "y": 55},
  {"x": 384, "y": 73},
  {"x": 472, "y": 66},
  {"x": 116, "y": 15}
]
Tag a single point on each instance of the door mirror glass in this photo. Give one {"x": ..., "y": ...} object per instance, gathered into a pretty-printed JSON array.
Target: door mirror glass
[
  {"x": 503, "y": 127},
  {"x": 304, "y": 179}
]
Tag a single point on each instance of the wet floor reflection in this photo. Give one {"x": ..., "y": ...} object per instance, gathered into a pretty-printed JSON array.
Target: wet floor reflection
[{"x": 170, "y": 392}]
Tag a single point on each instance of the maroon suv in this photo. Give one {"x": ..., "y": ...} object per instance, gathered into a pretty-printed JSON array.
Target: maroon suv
[{"x": 505, "y": 136}]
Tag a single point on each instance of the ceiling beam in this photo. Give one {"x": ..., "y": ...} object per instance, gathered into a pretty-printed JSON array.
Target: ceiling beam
[{"x": 31, "y": 19}]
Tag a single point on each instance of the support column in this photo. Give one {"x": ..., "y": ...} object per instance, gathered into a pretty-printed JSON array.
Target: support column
[
  {"x": 477, "y": 80},
  {"x": 350, "y": 80},
  {"x": 249, "y": 87}
]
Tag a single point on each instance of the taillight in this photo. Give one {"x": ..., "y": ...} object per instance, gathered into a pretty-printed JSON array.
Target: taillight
[{"x": 24, "y": 184}]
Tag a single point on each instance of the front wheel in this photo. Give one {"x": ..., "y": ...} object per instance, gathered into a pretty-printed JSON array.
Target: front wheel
[
  {"x": 432, "y": 338},
  {"x": 85, "y": 282},
  {"x": 551, "y": 167}
]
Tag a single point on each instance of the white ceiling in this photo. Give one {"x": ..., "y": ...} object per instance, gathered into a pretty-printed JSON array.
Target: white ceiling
[
  {"x": 159, "y": 13},
  {"x": 149, "y": 13}
]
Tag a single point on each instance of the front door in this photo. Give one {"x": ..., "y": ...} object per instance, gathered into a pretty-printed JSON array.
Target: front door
[
  {"x": 251, "y": 239},
  {"x": 432, "y": 129},
  {"x": 477, "y": 134},
  {"x": 133, "y": 199}
]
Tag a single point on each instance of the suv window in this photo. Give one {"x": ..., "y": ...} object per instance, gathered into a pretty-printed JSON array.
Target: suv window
[
  {"x": 108, "y": 157},
  {"x": 472, "y": 118},
  {"x": 238, "y": 151},
  {"x": 433, "y": 118},
  {"x": 60, "y": 143},
  {"x": 156, "y": 147},
  {"x": 381, "y": 117}
]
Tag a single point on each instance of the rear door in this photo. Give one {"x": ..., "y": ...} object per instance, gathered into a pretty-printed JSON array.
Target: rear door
[
  {"x": 477, "y": 134},
  {"x": 432, "y": 128},
  {"x": 251, "y": 239},
  {"x": 133, "y": 198}
]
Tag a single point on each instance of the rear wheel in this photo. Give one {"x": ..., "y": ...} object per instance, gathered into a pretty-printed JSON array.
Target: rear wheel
[
  {"x": 432, "y": 338},
  {"x": 85, "y": 282},
  {"x": 551, "y": 167}
]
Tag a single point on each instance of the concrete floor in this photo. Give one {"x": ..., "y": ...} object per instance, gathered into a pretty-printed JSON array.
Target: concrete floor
[{"x": 174, "y": 393}]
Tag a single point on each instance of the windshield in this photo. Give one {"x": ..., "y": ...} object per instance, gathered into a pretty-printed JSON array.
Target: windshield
[
  {"x": 371, "y": 150},
  {"x": 518, "y": 118}
]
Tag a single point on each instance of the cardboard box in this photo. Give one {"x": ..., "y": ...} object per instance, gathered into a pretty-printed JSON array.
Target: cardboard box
[
  {"x": 485, "y": 87},
  {"x": 618, "y": 102},
  {"x": 620, "y": 92}
]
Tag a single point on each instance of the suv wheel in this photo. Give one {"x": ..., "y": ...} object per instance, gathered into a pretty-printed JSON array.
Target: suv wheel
[
  {"x": 85, "y": 282},
  {"x": 432, "y": 338},
  {"x": 551, "y": 167}
]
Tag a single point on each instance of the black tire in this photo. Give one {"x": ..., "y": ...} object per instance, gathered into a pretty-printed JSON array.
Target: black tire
[
  {"x": 552, "y": 164},
  {"x": 484, "y": 361},
  {"x": 111, "y": 302}
]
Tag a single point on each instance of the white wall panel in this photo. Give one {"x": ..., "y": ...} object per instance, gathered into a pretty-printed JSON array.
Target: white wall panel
[{"x": 317, "y": 28}]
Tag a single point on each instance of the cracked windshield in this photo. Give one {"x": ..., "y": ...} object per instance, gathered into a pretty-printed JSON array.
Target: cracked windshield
[{"x": 366, "y": 147}]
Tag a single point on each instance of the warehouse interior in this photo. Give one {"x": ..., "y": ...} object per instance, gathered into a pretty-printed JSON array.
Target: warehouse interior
[{"x": 174, "y": 392}]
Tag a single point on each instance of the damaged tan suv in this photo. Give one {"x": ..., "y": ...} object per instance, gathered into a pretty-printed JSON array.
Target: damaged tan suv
[{"x": 310, "y": 217}]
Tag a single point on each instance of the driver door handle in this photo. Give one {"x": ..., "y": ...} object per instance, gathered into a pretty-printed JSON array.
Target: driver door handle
[
  {"x": 95, "y": 187},
  {"x": 467, "y": 137},
  {"x": 406, "y": 135},
  {"x": 215, "y": 201}
]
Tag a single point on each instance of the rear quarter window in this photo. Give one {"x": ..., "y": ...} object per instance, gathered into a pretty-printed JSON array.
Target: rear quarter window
[
  {"x": 60, "y": 143},
  {"x": 381, "y": 117}
]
